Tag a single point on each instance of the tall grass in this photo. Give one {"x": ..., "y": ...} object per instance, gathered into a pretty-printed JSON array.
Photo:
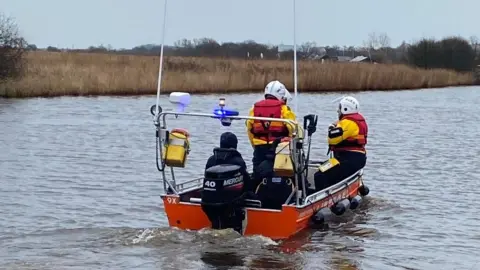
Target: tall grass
[{"x": 64, "y": 73}]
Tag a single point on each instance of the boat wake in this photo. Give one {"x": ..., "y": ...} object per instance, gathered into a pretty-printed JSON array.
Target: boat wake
[
  {"x": 351, "y": 225},
  {"x": 160, "y": 236},
  {"x": 219, "y": 248}
]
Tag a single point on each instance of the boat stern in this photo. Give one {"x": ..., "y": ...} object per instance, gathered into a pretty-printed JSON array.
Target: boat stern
[
  {"x": 184, "y": 215},
  {"x": 275, "y": 224}
]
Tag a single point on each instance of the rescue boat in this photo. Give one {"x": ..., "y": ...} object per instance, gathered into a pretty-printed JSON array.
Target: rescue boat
[{"x": 183, "y": 198}]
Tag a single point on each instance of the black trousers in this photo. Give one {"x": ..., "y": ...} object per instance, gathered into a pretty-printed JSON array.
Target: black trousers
[
  {"x": 263, "y": 158},
  {"x": 350, "y": 162},
  {"x": 261, "y": 153}
]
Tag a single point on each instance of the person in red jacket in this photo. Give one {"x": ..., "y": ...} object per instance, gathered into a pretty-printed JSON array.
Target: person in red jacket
[
  {"x": 262, "y": 134},
  {"x": 346, "y": 139}
]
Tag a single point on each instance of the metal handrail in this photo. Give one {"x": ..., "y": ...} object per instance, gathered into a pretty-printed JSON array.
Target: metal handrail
[
  {"x": 292, "y": 123},
  {"x": 332, "y": 189}
]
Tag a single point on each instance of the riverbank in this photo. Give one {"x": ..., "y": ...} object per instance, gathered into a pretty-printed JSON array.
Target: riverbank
[{"x": 52, "y": 74}]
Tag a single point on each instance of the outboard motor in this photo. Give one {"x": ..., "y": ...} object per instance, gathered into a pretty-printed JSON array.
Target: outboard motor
[{"x": 222, "y": 197}]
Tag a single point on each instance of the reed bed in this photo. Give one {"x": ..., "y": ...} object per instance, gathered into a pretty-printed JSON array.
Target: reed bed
[{"x": 50, "y": 74}]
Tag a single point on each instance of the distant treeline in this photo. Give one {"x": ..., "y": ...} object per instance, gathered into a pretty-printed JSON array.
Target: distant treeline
[
  {"x": 450, "y": 53},
  {"x": 454, "y": 53}
]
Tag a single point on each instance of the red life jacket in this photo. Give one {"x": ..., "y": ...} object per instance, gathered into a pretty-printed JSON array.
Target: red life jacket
[
  {"x": 356, "y": 143},
  {"x": 268, "y": 130}
]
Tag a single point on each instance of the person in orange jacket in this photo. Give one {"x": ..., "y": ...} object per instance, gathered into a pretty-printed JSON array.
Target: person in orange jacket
[{"x": 346, "y": 139}]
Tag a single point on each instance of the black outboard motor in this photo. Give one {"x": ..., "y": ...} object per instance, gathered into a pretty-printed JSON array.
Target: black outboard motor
[{"x": 223, "y": 197}]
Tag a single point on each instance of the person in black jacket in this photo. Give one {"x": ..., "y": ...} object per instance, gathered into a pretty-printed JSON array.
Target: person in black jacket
[
  {"x": 227, "y": 154},
  {"x": 229, "y": 215}
]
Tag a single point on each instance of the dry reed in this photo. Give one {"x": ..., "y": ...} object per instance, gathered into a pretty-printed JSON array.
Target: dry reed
[{"x": 56, "y": 74}]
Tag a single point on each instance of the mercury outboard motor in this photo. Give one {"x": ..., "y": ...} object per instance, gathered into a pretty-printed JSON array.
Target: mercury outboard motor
[{"x": 223, "y": 195}]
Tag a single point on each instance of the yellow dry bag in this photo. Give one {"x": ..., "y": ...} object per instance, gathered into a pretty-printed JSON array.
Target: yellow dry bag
[
  {"x": 283, "y": 165},
  {"x": 177, "y": 147}
]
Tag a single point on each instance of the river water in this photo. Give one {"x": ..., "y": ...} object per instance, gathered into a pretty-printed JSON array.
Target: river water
[{"x": 80, "y": 190}]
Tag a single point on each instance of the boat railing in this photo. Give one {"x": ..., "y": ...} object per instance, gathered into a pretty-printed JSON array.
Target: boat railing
[
  {"x": 196, "y": 183},
  {"x": 189, "y": 185},
  {"x": 161, "y": 124},
  {"x": 163, "y": 115},
  {"x": 329, "y": 191},
  {"x": 320, "y": 195}
]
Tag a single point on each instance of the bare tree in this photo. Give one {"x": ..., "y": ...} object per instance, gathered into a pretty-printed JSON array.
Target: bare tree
[
  {"x": 370, "y": 44},
  {"x": 384, "y": 44},
  {"x": 474, "y": 43},
  {"x": 383, "y": 40},
  {"x": 310, "y": 50},
  {"x": 183, "y": 43},
  {"x": 12, "y": 49},
  {"x": 473, "y": 40}
]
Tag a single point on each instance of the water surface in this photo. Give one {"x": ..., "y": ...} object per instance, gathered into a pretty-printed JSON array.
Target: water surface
[{"x": 80, "y": 190}]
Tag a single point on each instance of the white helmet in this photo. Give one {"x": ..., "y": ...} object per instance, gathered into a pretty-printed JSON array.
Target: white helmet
[
  {"x": 278, "y": 90},
  {"x": 348, "y": 105}
]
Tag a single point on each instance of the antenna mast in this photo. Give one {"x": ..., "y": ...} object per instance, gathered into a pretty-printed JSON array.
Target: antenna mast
[
  {"x": 295, "y": 57},
  {"x": 159, "y": 85}
]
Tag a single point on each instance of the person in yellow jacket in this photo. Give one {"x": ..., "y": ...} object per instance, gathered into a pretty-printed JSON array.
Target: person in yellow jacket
[
  {"x": 346, "y": 139},
  {"x": 262, "y": 134}
]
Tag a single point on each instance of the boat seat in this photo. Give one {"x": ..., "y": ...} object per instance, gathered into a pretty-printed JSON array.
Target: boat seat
[
  {"x": 313, "y": 168},
  {"x": 273, "y": 192}
]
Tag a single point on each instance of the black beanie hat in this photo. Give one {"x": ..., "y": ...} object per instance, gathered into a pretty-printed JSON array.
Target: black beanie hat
[{"x": 228, "y": 140}]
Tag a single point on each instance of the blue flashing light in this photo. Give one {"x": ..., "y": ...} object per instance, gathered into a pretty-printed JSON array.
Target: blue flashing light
[
  {"x": 224, "y": 112},
  {"x": 224, "y": 115}
]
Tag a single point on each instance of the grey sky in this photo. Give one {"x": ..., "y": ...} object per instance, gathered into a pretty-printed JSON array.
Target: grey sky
[{"x": 127, "y": 23}]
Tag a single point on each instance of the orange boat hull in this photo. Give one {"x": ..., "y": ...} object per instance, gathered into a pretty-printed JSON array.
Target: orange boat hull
[{"x": 275, "y": 224}]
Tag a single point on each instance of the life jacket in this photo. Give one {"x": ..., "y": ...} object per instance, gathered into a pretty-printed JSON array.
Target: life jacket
[
  {"x": 268, "y": 130},
  {"x": 356, "y": 143}
]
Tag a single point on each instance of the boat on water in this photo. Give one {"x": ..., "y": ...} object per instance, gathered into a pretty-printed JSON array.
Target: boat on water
[{"x": 184, "y": 200}]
